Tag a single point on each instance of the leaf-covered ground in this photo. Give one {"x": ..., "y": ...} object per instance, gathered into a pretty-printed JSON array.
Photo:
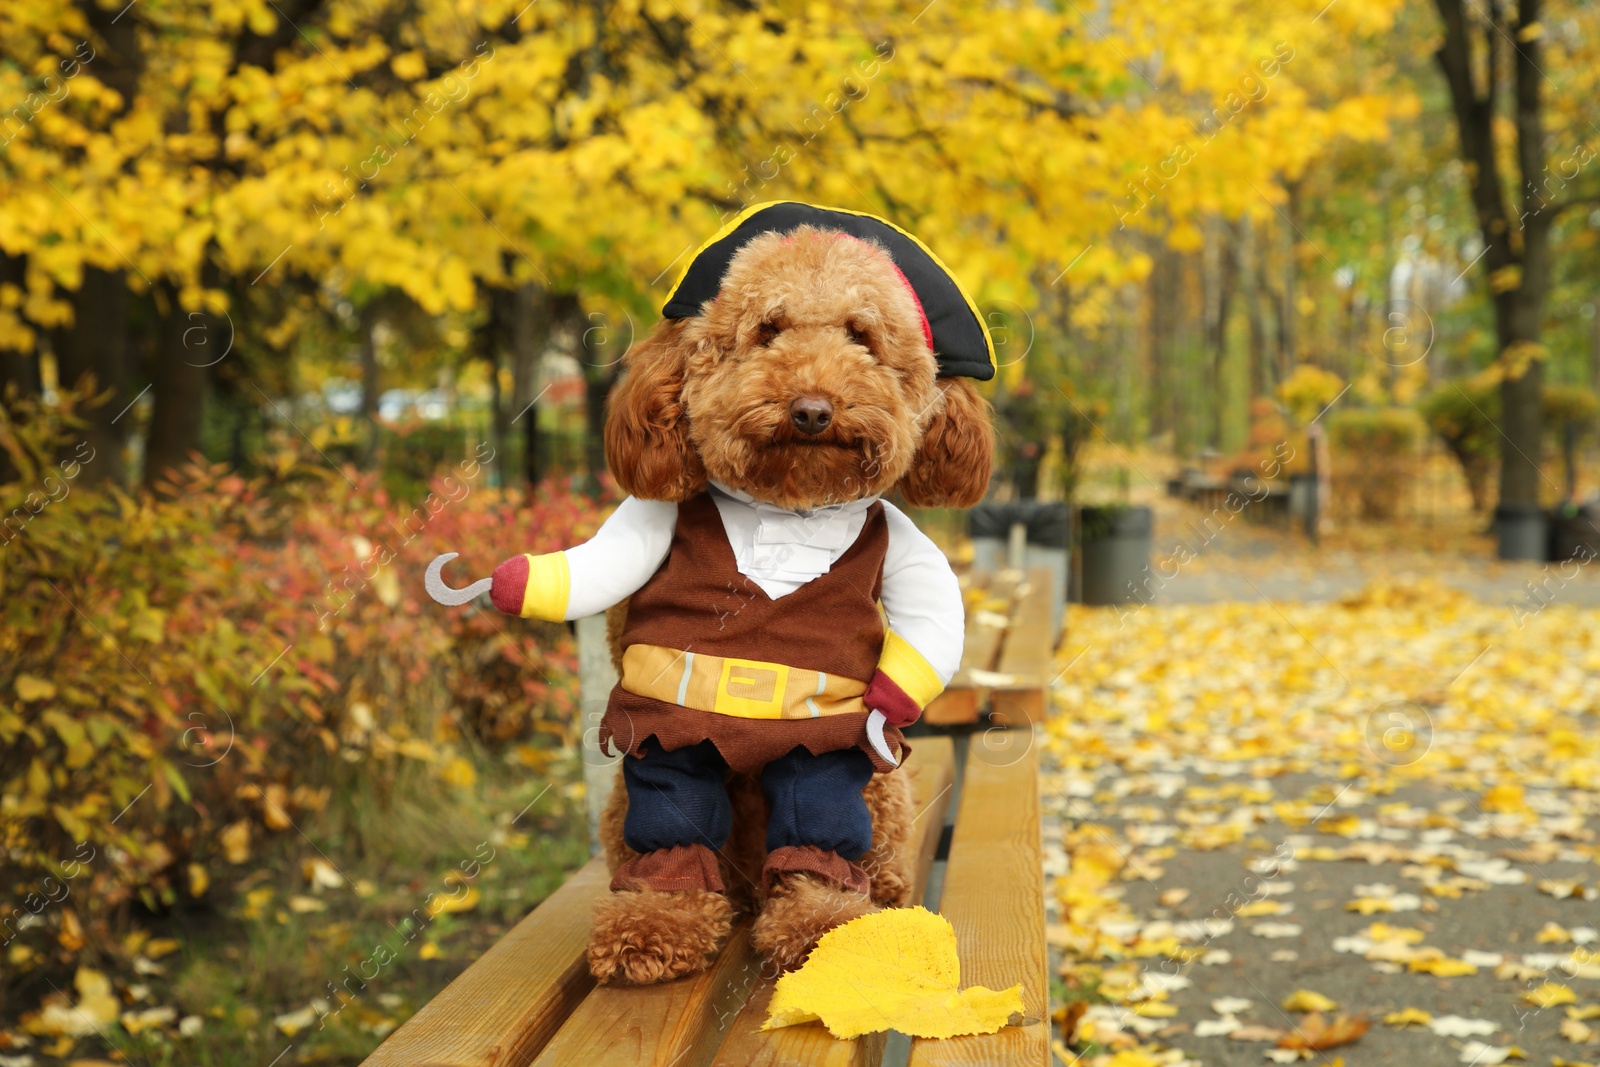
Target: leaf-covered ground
[{"x": 1357, "y": 829}]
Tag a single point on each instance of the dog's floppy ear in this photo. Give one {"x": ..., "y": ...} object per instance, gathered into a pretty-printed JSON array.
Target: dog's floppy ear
[
  {"x": 951, "y": 467},
  {"x": 647, "y": 430}
]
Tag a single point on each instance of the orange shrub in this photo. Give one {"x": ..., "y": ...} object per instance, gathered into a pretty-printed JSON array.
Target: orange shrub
[{"x": 186, "y": 673}]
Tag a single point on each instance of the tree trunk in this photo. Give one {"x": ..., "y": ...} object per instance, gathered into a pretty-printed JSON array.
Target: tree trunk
[
  {"x": 1289, "y": 312},
  {"x": 1164, "y": 294},
  {"x": 1220, "y": 279},
  {"x": 529, "y": 311},
  {"x": 1594, "y": 346},
  {"x": 1250, "y": 281},
  {"x": 18, "y": 369},
  {"x": 96, "y": 345},
  {"x": 1517, "y": 261},
  {"x": 179, "y": 387},
  {"x": 368, "y": 342},
  {"x": 487, "y": 345},
  {"x": 600, "y": 355}
]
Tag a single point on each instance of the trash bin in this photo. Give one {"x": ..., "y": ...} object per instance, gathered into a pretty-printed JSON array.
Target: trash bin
[
  {"x": 1114, "y": 553},
  {"x": 1047, "y": 531},
  {"x": 1523, "y": 532},
  {"x": 1575, "y": 533}
]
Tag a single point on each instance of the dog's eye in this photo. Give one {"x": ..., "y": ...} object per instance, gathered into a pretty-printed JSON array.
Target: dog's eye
[
  {"x": 767, "y": 332},
  {"x": 858, "y": 336}
]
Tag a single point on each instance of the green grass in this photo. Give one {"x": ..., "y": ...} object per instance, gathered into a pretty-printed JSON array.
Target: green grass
[{"x": 248, "y": 964}]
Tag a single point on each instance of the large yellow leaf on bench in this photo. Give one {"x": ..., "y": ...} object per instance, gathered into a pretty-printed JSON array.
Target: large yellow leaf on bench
[{"x": 892, "y": 970}]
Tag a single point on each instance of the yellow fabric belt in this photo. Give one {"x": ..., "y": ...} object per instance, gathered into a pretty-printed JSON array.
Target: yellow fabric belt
[{"x": 748, "y": 689}]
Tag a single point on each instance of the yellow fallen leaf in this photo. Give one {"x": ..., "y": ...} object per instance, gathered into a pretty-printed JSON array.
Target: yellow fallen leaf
[
  {"x": 1370, "y": 905},
  {"x": 1307, "y": 1000},
  {"x": 1587, "y": 1011},
  {"x": 1553, "y": 934},
  {"x": 235, "y": 838},
  {"x": 1578, "y": 1033},
  {"x": 157, "y": 947},
  {"x": 255, "y": 902},
  {"x": 428, "y": 951},
  {"x": 291, "y": 1023},
  {"x": 442, "y": 904},
  {"x": 136, "y": 1021},
  {"x": 322, "y": 874},
  {"x": 1506, "y": 798},
  {"x": 1260, "y": 907},
  {"x": 459, "y": 772},
  {"x": 891, "y": 970},
  {"x": 1443, "y": 967},
  {"x": 199, "y": 880},
  {"x": 302, "y": 905},
  {"x": 31, "y": 687},
  {"x": 97, "y": 1006},
  {"x": 1408, "y": 935},
  {"x": 1408, "y": 1017},
  {"x": 1549, "y": 995},
  {"x": 418, "y": 749}
]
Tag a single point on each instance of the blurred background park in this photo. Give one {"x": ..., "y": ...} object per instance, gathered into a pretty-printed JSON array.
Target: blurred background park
[{"x": 295, "y": 294}]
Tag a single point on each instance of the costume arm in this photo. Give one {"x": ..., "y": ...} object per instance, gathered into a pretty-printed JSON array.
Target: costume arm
[
  {"x": 621, "y": 556},
  {"x": 922, "y": 601}
]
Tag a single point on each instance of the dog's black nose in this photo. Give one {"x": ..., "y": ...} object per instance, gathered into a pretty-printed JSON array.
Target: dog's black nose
[{"x": 811, "y": 414}]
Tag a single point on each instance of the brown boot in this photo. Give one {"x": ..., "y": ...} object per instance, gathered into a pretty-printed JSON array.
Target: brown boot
[
  {"x": 665, "y": 917},
  {"x": 810, "y": 891}
]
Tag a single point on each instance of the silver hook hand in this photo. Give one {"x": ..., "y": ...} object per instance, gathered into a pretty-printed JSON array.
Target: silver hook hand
[
  {"x": 434, "y": 582},
  {"x": 875, "y": 737}
]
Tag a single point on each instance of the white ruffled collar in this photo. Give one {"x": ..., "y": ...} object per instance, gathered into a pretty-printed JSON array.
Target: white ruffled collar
[{"x": 794, "y": 547}]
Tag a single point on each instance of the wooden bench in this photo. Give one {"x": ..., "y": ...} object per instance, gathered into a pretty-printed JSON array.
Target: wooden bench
[
  {"x": 530, "y": 998},
  {"x": 1007, "y": 661}
]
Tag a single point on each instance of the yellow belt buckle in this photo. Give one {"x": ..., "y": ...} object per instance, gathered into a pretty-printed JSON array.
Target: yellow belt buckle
[{"x": 751, "y": 689}]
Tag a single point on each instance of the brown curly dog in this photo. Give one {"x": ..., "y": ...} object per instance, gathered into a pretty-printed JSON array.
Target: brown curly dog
[{"x": 808, "y": 316}]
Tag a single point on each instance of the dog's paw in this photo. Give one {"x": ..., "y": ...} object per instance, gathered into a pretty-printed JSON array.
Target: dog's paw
[
  {"x": 798, "y": 911},
  {"x": 643, "y": 936}
]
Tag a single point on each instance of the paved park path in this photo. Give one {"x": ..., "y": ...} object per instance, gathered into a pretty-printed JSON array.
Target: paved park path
[{"x": 1368, "y": 784}]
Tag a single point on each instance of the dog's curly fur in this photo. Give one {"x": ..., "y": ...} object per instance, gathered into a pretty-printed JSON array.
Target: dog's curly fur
[{"x": 810, "y": 313}]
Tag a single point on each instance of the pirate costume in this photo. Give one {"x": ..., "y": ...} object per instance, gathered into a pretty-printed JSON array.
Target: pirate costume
[{"x": 754, "y": 640}]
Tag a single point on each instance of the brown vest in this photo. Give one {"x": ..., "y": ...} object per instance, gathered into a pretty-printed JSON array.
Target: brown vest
[{"x": 699, "y": 602}]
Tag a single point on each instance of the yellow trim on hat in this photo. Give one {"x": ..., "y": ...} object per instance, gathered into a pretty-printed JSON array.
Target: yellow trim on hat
[{"x": 738, "y": 219}]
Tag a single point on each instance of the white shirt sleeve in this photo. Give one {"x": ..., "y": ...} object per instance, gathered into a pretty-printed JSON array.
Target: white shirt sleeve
[
  {"x": 921, "y": 596},
  {"x": 628, "y": 548}
]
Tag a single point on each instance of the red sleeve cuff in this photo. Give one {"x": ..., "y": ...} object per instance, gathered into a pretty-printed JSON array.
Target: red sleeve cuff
[
  {"x": 884, "y": 695},
  {"x": 509, "y": 585}
]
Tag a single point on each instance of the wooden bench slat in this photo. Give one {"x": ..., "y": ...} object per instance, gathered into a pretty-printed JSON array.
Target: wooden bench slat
[
  {"x": 502, "y": 1010},
  {"x": 675, "y": 1024},
  {"x": 994, "y": 897},
  {"x": 810, "y": 1044},
  {"x": 1028, "y": 654}
]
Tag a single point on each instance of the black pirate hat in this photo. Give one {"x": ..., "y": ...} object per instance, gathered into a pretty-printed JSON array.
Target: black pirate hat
[{"x": 956, "y": 331}]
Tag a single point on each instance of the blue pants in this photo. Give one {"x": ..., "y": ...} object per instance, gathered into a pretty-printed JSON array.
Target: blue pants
[{"x": 680, "y": 798}]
